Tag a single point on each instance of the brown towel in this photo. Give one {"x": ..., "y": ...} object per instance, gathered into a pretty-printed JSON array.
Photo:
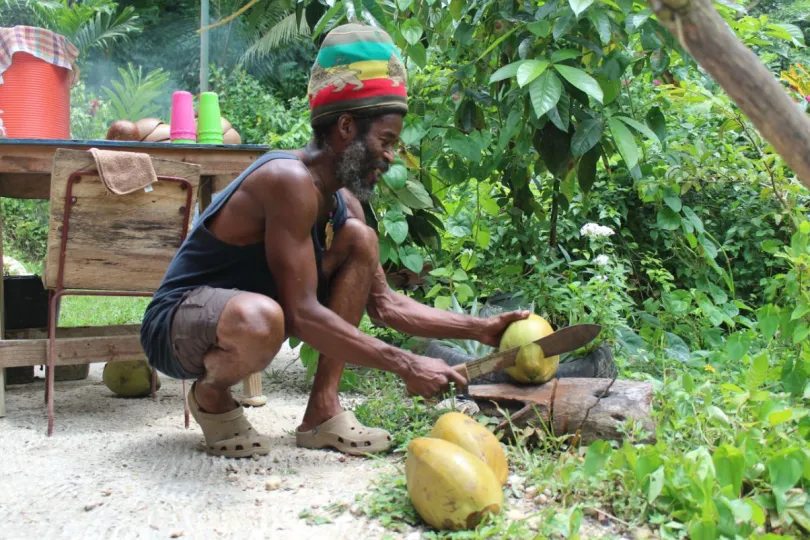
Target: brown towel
[{"x": 124, "y": 172}]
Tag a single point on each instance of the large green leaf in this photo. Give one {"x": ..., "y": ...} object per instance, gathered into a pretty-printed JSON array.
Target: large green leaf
[
  {"x": 729, "y": 465},
  {"x": 564, "y": 24},
  {"x": 418, "y": 54},
  {"x": 545, "y": 92},
  {"x": 396, "y": 176},
  {"x": 588, "y": 133},
  {"x": 411, "y": 258},
  {"x": 507, "y": 71},
  {"x": 530, "y": 70},
  {"x": 561, "y": 114},
  {"x": 601, "y": 22},
  {"x": 581, "y": 80},
  {"x": 564, "y": 54},
  {"x": 396, "y": 226},
  {"x": 657, "y": 123},
  {"x": 625, "y": 142},
  {"x": 586, "y": 169},
  {"x": 414, "y": 195},
  {"x": 465, "y": 146},
  {"x": 411, "y": 30},
  {"x": 638, "y": 126},
  {"x": 667, "y": 219},
  {"x": 579, "y": 5}
]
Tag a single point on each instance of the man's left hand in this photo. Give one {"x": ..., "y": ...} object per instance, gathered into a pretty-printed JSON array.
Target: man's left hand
[{"x": 494, "y": 327}]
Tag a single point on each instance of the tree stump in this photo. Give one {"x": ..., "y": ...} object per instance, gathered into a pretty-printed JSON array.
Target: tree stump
[{"x": 563, "y": 406}]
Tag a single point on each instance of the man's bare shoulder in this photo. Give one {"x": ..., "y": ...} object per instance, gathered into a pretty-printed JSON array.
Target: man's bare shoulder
[
  {"x": 353, "y": 205},
  {"x": 281, "y": 176}
]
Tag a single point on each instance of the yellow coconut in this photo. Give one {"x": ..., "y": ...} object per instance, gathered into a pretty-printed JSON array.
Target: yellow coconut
[
  {"x": 450, "y": 488},
  {"x": 473, "y": 437},
  {"x": 130, "y": 378},
  {"x": 531, "y": 365}
]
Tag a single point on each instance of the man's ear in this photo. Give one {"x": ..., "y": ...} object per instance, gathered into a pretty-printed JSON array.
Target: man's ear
[{"x": 346, "y": 127}]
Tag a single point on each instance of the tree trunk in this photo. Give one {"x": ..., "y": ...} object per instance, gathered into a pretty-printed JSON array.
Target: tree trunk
[
  {"x": 743, "y": 76},
  {"x": 568, "y": 406}
]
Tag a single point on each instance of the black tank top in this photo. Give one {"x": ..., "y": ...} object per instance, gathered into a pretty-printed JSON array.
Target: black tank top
[{"x": 203, "y": 259}]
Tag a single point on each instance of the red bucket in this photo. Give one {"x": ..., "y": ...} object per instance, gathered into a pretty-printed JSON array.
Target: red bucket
[{"x": 35, "y": 99}]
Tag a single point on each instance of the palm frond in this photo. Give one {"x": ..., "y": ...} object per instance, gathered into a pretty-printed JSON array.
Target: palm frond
[
  {"x": 105, "y": 29},
  {"x": 284, "y": 31}
]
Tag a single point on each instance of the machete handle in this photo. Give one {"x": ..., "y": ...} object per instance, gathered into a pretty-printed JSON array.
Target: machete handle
[{"x": 461, "y": 369}]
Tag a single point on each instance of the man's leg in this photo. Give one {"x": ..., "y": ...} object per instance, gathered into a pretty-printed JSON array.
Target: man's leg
[
  {"x": 349, "y": 264},
  {"x": 249, "y": 333},
  {"x": 221, "y": 337}
]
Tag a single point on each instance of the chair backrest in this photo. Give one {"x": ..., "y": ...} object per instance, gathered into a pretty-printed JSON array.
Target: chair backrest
[{"x": 115, "y": 242}]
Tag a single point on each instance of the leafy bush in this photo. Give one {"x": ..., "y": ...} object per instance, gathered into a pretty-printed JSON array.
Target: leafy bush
[{"x": 258, "y": 115}]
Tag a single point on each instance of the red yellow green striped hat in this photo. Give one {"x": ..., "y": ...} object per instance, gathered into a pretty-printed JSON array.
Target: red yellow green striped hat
[{"x": 358, "y": 70}]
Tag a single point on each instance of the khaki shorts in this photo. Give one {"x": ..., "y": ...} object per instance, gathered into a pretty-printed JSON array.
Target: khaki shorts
[{"x": 194, "y": 326}]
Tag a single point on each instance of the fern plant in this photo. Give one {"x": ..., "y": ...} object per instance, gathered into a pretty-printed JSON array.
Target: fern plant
[{"x": 137, "y": 96}]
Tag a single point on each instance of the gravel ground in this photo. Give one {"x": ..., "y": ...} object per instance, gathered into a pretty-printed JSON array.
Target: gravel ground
[{"x": 128, "y": 468}]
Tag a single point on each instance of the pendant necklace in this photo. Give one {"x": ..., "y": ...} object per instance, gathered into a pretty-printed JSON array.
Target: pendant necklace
[{"x": 330, "y": 231}]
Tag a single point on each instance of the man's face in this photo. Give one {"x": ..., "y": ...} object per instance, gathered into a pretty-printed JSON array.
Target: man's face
[{"x": 365, "y": 159}]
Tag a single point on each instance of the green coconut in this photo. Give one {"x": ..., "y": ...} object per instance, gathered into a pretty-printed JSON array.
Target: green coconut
[{"x": 131, "y": 378}]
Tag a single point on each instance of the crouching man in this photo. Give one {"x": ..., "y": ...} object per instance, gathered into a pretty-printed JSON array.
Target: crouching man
[{"x": 284, "y": 251}]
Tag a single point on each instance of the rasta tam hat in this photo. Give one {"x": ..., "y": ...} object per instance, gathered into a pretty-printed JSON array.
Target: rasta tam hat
[{"x": 358, "y": 70}]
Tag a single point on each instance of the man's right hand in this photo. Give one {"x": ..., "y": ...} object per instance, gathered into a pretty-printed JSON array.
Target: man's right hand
[{"x": 428, "y": 377}]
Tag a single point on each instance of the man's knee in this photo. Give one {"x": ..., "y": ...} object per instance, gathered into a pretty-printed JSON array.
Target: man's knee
[
  {"x": 362, "y": 240},
  {"x": 256, "y": 322}
]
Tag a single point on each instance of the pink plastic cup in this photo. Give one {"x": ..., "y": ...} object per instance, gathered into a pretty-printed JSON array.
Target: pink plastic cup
[{"x": 183, "y": 126}]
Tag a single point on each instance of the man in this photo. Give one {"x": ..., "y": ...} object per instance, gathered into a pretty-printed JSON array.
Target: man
[{"x": 284, "y": 251}]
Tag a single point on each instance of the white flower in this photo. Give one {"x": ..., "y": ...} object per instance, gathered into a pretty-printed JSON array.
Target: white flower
[
  {"x": 594, "y": 230},
  {"x": 601, "y": 260}
]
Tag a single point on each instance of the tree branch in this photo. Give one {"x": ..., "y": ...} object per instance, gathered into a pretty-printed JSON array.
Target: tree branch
[{"x": 743, "y": 76}]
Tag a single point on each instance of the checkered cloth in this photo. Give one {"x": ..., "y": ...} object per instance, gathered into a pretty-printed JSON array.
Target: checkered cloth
[{"x": 39, "y": 42}]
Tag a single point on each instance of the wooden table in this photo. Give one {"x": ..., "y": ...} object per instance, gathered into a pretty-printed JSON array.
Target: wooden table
[{"x": 25, "y": 173}]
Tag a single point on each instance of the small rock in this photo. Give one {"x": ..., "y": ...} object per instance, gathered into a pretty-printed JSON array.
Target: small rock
[
  {"x": 106, "y": 492},
  {"x": 356, "y": 510},
  {"x": 468, "y": 407},
  {"x": 152, "y": 525},
  {"x": 256, "y": 457},
  {"x": 176, "y": 534},
  {"x": 342, "y": 459},
  {"x": 533, "y": 523},
  {"x": 259, "y": 502},
  {"x": 514, "y": 515},
  {"x": 273, "y": 483},
  {"x": 91, "y": 506},
  {"x": 531, "y": 492},
  {"x": 643, "y": 533},
  {"x": 233, "y": 477},
  {"x": 541, "y": 499}
]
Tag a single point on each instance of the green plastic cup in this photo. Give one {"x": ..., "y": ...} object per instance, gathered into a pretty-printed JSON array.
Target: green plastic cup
[{"x": 209, "y": 125}]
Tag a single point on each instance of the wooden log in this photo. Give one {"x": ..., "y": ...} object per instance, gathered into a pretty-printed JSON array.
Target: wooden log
[
  {"x": 563, "y": 405},
  {"x": 704, "y": 33}
]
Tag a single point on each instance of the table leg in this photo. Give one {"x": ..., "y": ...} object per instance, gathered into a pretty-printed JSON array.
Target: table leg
[
  {"x": 251, "y": 385},
  {"x": 252, "y": 391}
]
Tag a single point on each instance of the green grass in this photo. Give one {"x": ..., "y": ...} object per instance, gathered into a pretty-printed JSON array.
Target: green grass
[{"x": 101, "y": 311}]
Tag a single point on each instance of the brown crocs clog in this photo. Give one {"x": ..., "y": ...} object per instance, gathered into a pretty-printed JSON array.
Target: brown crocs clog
[
  {"x": 228, "y": 434},
  {"x": 344, "y": 433}
]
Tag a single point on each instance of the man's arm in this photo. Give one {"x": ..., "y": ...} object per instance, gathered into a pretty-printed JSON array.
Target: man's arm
[
  {"x": 387, "y": 307},
  {"x": 290, "y": 201}
]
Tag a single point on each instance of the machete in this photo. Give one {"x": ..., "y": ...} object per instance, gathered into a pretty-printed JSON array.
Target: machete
[{"x": 563, "y": 340}]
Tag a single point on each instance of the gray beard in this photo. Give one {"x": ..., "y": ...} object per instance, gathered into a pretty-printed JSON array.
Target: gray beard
[{"x": 352, "y": 169}]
